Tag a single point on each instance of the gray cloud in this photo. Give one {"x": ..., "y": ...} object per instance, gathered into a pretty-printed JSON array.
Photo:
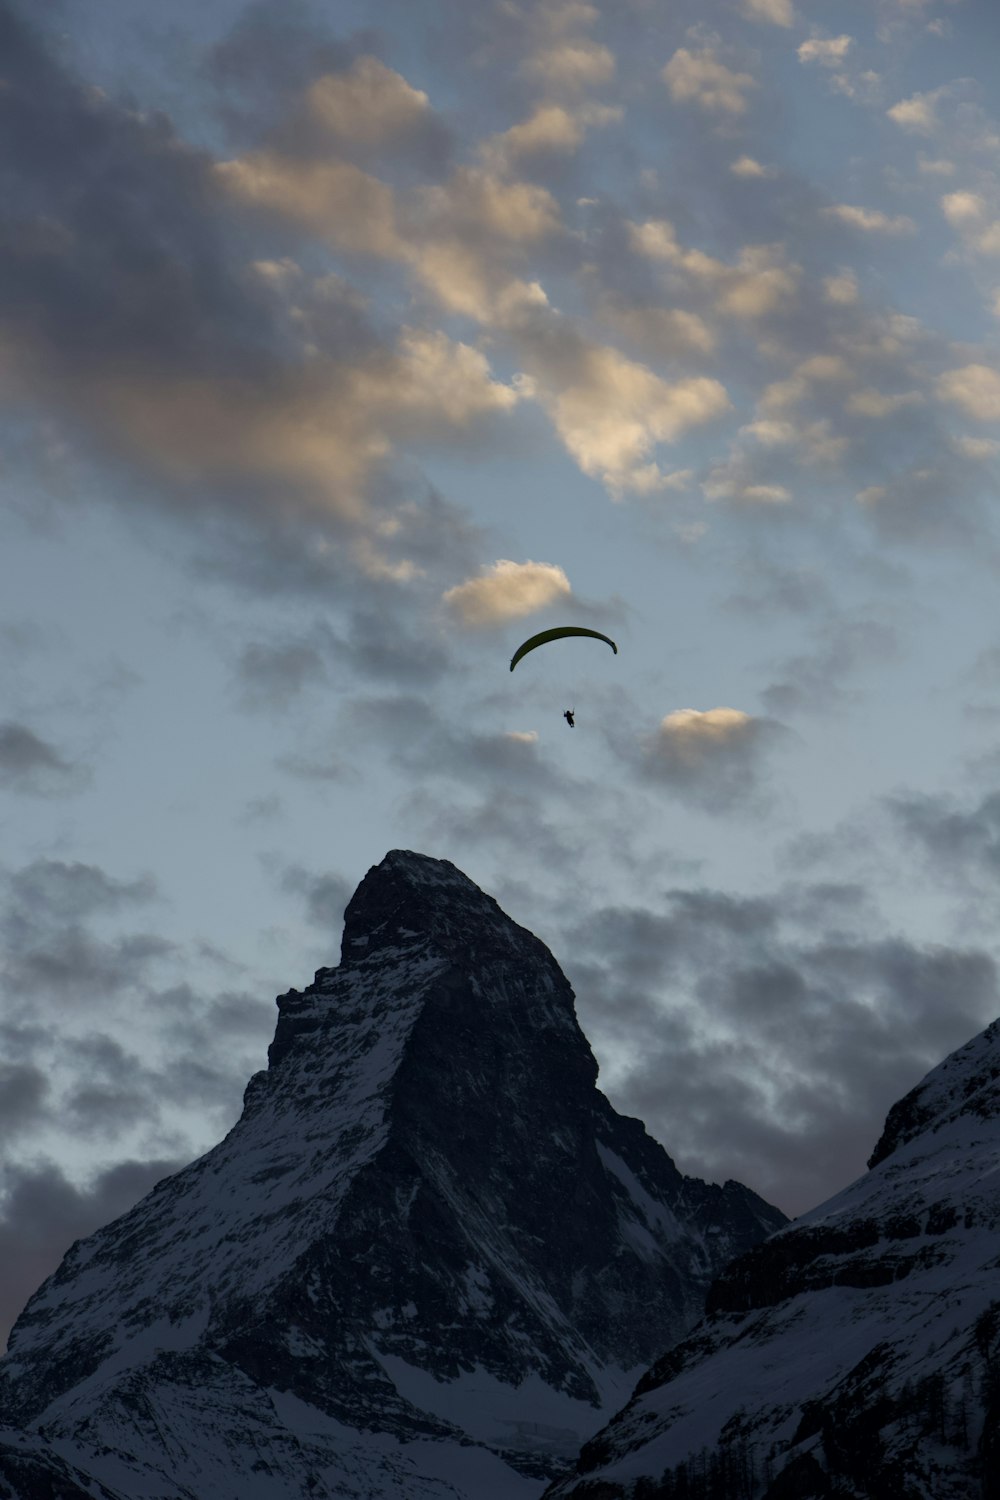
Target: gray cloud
[
  {"x": 816, "y": 682},
  {"x": 716, "y": 758},
  {"x": 24, "y": 1092},
  {"x": 326, "y": 896},
  {"x": 31, "y": 765},
  {"x": 756, "y": 1054},
  {"x": 275, "y": 49},
  {"x": 270, "y": 675},
  {"x": 49, "y": 952},
  {"x": 773, "y": 589},
  {"x": 962, "y": 844},
  {"x": 111, "y": 247}
]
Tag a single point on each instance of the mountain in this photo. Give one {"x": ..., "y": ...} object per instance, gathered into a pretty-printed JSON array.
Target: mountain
[
  {"x": 856, "y": 1354},
  {"x": 428, "y": 1261}
]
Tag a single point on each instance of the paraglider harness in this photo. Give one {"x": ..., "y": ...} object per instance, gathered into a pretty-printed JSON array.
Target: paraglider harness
[{"x": 569, "y": 716}]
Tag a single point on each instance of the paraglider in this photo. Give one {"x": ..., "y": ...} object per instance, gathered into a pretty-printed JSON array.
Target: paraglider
[
  {"x": 544, "y": 636},
  {"x": 542, "y": 639}
]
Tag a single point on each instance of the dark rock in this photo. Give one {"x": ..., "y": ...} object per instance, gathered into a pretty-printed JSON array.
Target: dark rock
[{"x": 429, "y": 1241}]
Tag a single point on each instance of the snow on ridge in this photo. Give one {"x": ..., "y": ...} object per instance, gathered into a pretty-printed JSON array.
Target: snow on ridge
[
  {"x": 238, "y": 1214},
  {"x": 646, "y": 1214}
]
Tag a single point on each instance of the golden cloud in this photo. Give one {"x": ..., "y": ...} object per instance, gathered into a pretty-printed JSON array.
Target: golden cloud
[
  {"x": 576, "y": 65},
  {"x": 507, "y": 591},
  {"x": 747, "y": 166},
  {"x": 841, "y": 289},
  {"x": 699, "y": 78},
  {"x": 830, "y": 52},
  {"x": 335, "y": 200},
  {"x": 691, "y": 737},
  {"x": 614, "y": 411},
  {"x": 975, "y": 388},
  {"x": 777, "y": 12},
  {"x": 962, "y": 208},
  {"x": 918, "y": 113},
  {"x": 871, "y": 220},
  {"x": 371, "y": 104}
]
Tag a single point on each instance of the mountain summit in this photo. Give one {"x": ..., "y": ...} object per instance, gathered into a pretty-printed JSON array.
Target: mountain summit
[{"x": 428, "y": 1261}]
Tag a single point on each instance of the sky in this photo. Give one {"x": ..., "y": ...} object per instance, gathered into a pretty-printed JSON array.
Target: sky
[{"x": 345, "y": 345}]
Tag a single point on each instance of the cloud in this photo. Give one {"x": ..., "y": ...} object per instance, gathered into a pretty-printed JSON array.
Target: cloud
[
  {"x": 871, "y": 403},
  {"x": 49, "y": 953},
  {"x": 725, "y": 483},
  {"x": 962, "y": 208},
  {"x": 689, "y": 737},
  {"x": 976, "y": 448},
  {"x": 486, "y": 203},
  {"x": 326, "y": 897},
  {"x": 507, "y": 591},
  {"x": 661, "y": 332},
  {"x": 746, "y": 166},
  {"x": 871, "y": 220},
  {"x": 24, "y": 1099},
  {"x": 918, "y": 113},
  {"x": 974, "y": 388},
  {"x": 551, "y": 128},
  {"x": 759, "y": 285},
  {"x": 818, "y": 368},
  {"x": 715, "y": 757},
  {"x": 699, "y": 78},
  {"x": 842, "y": 289},
  {"x": 612, "y": 411},
  {"x": 965, "y": 212},
  {"x": 334, "y": 199},
  {"x": 33, "y": 766},
  {"x": 761, "y": 281},
  {"x": 988, "y": 243},
  {"x": 813, "y": 443},
  {"x": 777, "y": 12},
  {"x": 434, "y": 378},
  {"x": 937, "y": 167},
  {"x": 814, "y": 682},
  {"x": 370, "y": 104},
  {"x": 573, "y": 65},
  {"x": 130, "y": 314},
  {"x": 830, "y": 52},
  {"x": 271, "y": 675},
  {"x": 768, "y": 1035}
]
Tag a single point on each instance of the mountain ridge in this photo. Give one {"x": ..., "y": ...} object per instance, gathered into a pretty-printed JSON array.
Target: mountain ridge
[
  {"x": 856, "y": 1351},
  {"x": 428, "y": 1260}
]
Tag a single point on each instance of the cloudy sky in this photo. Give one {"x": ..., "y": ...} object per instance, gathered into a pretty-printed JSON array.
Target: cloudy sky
[{"x": 346, "y": 343}]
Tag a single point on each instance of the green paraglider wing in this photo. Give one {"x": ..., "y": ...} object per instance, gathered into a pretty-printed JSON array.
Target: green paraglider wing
[{"x": 544, "y": 636}]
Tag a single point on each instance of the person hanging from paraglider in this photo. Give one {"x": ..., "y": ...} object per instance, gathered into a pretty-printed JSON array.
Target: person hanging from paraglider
[{"x": 544, "y": 636}]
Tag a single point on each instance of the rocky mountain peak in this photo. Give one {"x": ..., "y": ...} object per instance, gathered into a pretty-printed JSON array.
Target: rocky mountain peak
[
  {"x": 428, "y": 1260},
  {"x": 412, "y": 896}
]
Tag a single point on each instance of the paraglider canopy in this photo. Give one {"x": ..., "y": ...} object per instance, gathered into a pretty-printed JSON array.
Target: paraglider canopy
[{"x": 556, "y": 634}]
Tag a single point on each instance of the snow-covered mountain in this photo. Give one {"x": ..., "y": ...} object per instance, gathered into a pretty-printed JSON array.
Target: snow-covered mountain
[
  {"x": 856, "y": 1353},
  {"x": 429, "y": 1260}
]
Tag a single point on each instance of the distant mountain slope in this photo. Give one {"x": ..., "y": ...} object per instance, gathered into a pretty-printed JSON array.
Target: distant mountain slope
[
  {"x": 856, "y": 1353},
  {"x": 428, "y": 1261}
]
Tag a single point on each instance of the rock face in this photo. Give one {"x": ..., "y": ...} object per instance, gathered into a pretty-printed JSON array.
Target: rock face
[
  {"x": 856, "y": 1353},
  {"x": 428, "y": 1261}
]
